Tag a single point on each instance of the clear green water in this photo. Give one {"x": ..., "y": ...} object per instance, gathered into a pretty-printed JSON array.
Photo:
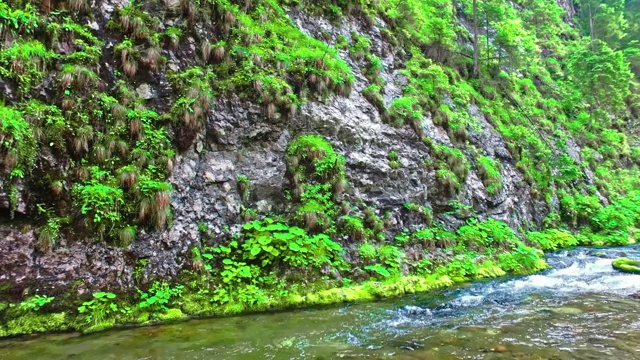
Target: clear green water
[{"x": 579, "y": 310}]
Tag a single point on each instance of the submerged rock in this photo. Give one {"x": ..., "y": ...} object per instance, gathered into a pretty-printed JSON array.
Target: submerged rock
[
  {"x": 499, "y": 349},
  {"x": 626, "y": 265},
  {"x": 564, "y": 310}
]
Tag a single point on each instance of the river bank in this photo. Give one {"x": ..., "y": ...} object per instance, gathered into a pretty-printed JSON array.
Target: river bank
[
  {"x": 193, "y": 305},
  {"x": 546, "y": 315}
]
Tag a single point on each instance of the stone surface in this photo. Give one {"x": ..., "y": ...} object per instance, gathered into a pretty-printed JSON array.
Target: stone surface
[{"x": 144, "y": 91}]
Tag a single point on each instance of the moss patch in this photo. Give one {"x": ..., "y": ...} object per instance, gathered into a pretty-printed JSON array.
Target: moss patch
[
  {"x": 172, "y": 315},
  {"x": 31, "y": 323}
]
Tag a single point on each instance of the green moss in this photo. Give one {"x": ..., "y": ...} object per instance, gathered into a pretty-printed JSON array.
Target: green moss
[
  {"x": 26, "y": 62},
  {"x": 293, "y": 300},
  {"x": 101, "y": 326},
  {"x": 31, "y": 323},
  {"x": 171, "y": 315},
  {"x": 357, "y": 293},
  {"x": 325, "y": 297},
  {"x": 18, "y": 148},
  {"x": 386, "y": 290},
  {"x": 626, "y": 265}
]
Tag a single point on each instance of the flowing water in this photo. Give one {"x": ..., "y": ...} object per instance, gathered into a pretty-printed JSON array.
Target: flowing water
[{"x": 580, "y": 309}]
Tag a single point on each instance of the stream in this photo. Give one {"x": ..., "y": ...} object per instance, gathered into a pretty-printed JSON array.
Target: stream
[{"x": 579, "y": 309}]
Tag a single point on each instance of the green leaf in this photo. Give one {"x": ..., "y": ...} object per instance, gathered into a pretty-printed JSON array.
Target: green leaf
[
  {"x": 276, "y": 227},
  {"x": 245, "y": 271},
  {"x": 294, "y": 246},
  {"x": 255, "y": 250},
  {"x": 251, "y": 225},
  {"x": 265, "y": 240},
  {"x": 297, "y": 231},
  {"x": 284, "y": 236}
]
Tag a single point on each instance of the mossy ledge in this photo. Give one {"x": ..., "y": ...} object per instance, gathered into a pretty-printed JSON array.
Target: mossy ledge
[{"x": 191, "y": 305}]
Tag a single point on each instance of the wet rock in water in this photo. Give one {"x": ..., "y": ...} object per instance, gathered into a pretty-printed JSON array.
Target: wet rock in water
[
  {"x": 499, "y": 349},
  {"x": 565, "y": 310},
  {"x": 626, "y": 265},
  {"x": 599, "y": 254}
]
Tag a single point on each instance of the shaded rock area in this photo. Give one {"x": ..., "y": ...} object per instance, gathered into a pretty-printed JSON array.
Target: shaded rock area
[{"x": 83, "y": 266}]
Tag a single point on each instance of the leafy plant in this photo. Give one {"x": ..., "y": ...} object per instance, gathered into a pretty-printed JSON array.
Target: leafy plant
[
  {"x": 36, "y": 303},
  {"x": 489, "y": 172},
  {"x": 553, "y": 239},
  {"x": 522, "y": 259},
  {"x": 379, "y": 270},
  {"x": 17, "y": 145},
  {"x": 100, "y": 308},
  {"x": 158, "y": 297},
  {"x": 270, "y": 242}
]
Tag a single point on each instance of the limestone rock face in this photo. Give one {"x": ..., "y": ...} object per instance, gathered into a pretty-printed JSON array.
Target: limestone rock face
[
  {"x": 238, "y": 139},
  {"x": 25, "y": 269}
]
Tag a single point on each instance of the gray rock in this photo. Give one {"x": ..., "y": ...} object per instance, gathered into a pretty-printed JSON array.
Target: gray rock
[
  {"x": 144, "y": 91},
  {"x": 173, "y": 5}
]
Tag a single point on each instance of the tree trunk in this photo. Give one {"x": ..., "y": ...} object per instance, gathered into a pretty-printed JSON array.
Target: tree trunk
[
  {"x": 476, "y": 46},
  {"x": 591, "y": 25},
  {"x": 46, "y": 6}
]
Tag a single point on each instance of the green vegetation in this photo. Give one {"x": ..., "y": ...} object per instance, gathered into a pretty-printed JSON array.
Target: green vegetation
[
  {"x": 98, "y": 310},
  {"x": 157, "y": 299},
  {"x": 563, "y": 99},
  {"x": 36, "y": 303},
  {"x": 489, "y": 172}
]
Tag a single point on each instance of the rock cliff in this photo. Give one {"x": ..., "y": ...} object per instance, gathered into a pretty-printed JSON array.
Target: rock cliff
[{"x": 394, "y": 171}]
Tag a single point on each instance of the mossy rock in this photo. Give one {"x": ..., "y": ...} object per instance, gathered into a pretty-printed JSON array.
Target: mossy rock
[
  {"x": 357, "y": 293},
  {"x": 326, "y": 297},
  {"x": 440, "y": 282},
  {"x": 626, "y": 265},
  {"x": 415, "y": 284},
  {"x": 385, "y": 290},
  {"x": 293, "y": 300},
  {"x": 31, "y": 323},
  {"x": 171, "y": 315},
  {"x": 101, "y": 326},
  {"x": 459, "y": 279}
]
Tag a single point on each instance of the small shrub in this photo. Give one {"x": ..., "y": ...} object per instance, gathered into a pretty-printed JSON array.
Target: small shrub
[{"x": 489, "y": 172}]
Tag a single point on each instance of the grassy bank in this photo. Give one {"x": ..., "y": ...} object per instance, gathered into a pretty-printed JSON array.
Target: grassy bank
[{"x": 108, "y": 312}]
